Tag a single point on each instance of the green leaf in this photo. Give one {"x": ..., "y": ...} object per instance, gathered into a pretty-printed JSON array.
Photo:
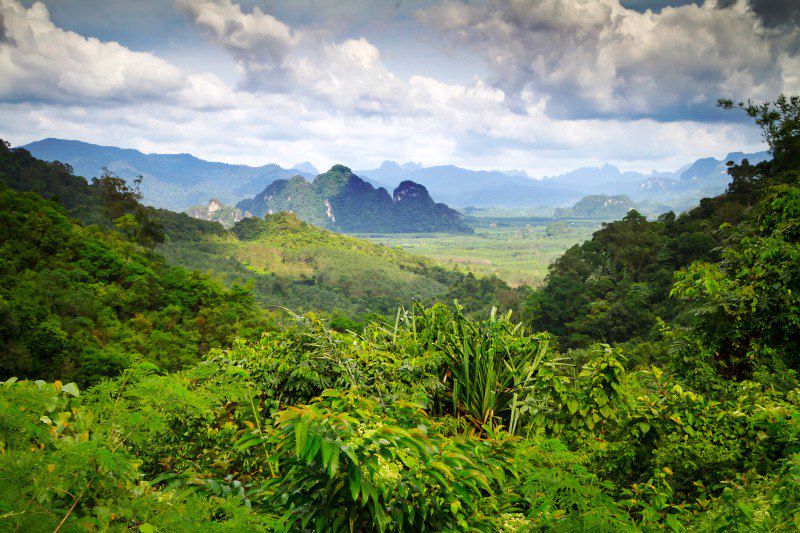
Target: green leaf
[
  {"x": 72, "y": 389},
  {"x": 673, "y": 522},
  {"x": 746, "y": 510},
  {"x": 300, "y": 436},
  {"x": 247, "y": 441},
  {"x": 333, "y": 467},
  {"x": 355, "y": 484},
  {"x": 572, "y": 405},
  {"x": 327, "y": 452}
]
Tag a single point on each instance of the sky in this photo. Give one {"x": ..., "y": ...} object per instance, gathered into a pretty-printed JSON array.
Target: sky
[{"x": 543, "y": 86}]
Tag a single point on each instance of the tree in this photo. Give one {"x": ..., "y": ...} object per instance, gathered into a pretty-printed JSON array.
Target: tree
[{"x": 780, "y": 127}]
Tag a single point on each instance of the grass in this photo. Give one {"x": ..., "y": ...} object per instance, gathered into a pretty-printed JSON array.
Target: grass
[
  {"x": 297, "y": 265},
  {"x": 266, "y": 259},
  {"x": 517, "y": 250}
]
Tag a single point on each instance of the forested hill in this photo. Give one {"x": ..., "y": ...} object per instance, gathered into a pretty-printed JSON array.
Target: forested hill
[
  {"x": 616, "y": 287},
  {"x": 79, "y": 303},
  {"x": 294, "y": 264},
  {"x": 341, "y": 201}
]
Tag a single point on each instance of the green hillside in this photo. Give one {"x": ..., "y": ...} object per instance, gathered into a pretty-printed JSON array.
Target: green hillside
[
  {"x": 294, "y": 264},
  {"x": 79, "y": 303}
]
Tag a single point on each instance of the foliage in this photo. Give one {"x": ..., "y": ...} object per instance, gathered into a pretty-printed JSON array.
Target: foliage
[
  {"x": 613, "y": 287},
  {"x": 492, "y": 366},
  {"x": 748, "y": 305},
  {"x": 346, "y": 467},
  {"x": 435, "y": 419},
  {"x": 63, "y": 469},
  {"x": 81, "y": 303}
]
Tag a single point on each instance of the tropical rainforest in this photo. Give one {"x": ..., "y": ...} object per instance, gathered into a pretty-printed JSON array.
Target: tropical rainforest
[{"x": 308, "y": 381}]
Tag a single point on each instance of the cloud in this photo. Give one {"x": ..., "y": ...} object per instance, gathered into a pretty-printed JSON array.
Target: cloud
[
  {"x": 595, "y": 58},
  {"x": 771, "y": 12},
  {"x": 260, "y": 43},
  {"x": 273, "y": 57},
  {"x": 39, "y": 61},
  {"x": 304, "y": 95}
]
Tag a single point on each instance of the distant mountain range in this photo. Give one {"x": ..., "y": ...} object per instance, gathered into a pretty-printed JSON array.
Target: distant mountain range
[
  {"x": 341, "y": 201},
  {"x": 479, "y": 188},
  {"x": 708, "y": 175},
  {"x": 177, "y": 181},
  {"x": 461, "y": 187},
  {"x": 172, "y": 181}
]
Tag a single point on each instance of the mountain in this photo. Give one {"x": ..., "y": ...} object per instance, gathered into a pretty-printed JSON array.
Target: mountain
[
  {"x": 177, "y": 181},
  {"x": 216, "y": 211},
  {"x": 306, "y": 168},
  {"x": 704, "y": 177},
  {"x": 598, "y": 207},
  {"x": 341, "y": 201},
  {"x": 591, "y": 178},
  {"x": 173, "y": 181},
  {"x": 457, "y": 186},
  {"x": 478, "y": 188}
]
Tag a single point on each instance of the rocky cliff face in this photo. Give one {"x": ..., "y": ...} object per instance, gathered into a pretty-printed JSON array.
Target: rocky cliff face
[
  {"x": 216, "y": 211},
  {"x": 341, "y": 201}
]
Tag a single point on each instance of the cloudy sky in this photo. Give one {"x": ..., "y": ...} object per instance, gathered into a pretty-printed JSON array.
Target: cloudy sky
[{"x": 539, "y": 85}]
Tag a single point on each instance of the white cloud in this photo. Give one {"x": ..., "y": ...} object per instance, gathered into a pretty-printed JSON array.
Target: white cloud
[
  {"x": 39, "y": 61},
  {"x": 260, "y": 43},
  {"x": 275, "y": 58},
  {"x": 305, "y": 96},
  {"x": 597, "y": 58}
]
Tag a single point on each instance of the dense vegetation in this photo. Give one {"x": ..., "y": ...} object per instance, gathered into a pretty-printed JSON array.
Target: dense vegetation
[
  {"x": 616, "y": 285},
  {"x": 435, "y": 420},
  {"x": 80, "y": 303},
  {"x": 294, "y": 265},
  {"x": 341, "y": 201}
]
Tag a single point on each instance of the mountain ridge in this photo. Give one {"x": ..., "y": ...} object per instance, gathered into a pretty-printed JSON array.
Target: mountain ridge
[
  {"x": 341, "y": 201},
  {"x": 173, "y": 181},
  {"x": 481, "y": 188},
  {"x": 178, "y": 181}
]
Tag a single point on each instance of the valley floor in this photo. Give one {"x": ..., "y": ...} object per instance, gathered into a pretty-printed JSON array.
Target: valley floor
[{"x": 517, "y": 250}]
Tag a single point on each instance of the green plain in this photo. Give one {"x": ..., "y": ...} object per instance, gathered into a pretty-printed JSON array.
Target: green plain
[{"x": 516, "y": 249}]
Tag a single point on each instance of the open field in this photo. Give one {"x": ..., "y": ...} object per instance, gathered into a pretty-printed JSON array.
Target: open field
[{"x": 518, "y": 249}]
